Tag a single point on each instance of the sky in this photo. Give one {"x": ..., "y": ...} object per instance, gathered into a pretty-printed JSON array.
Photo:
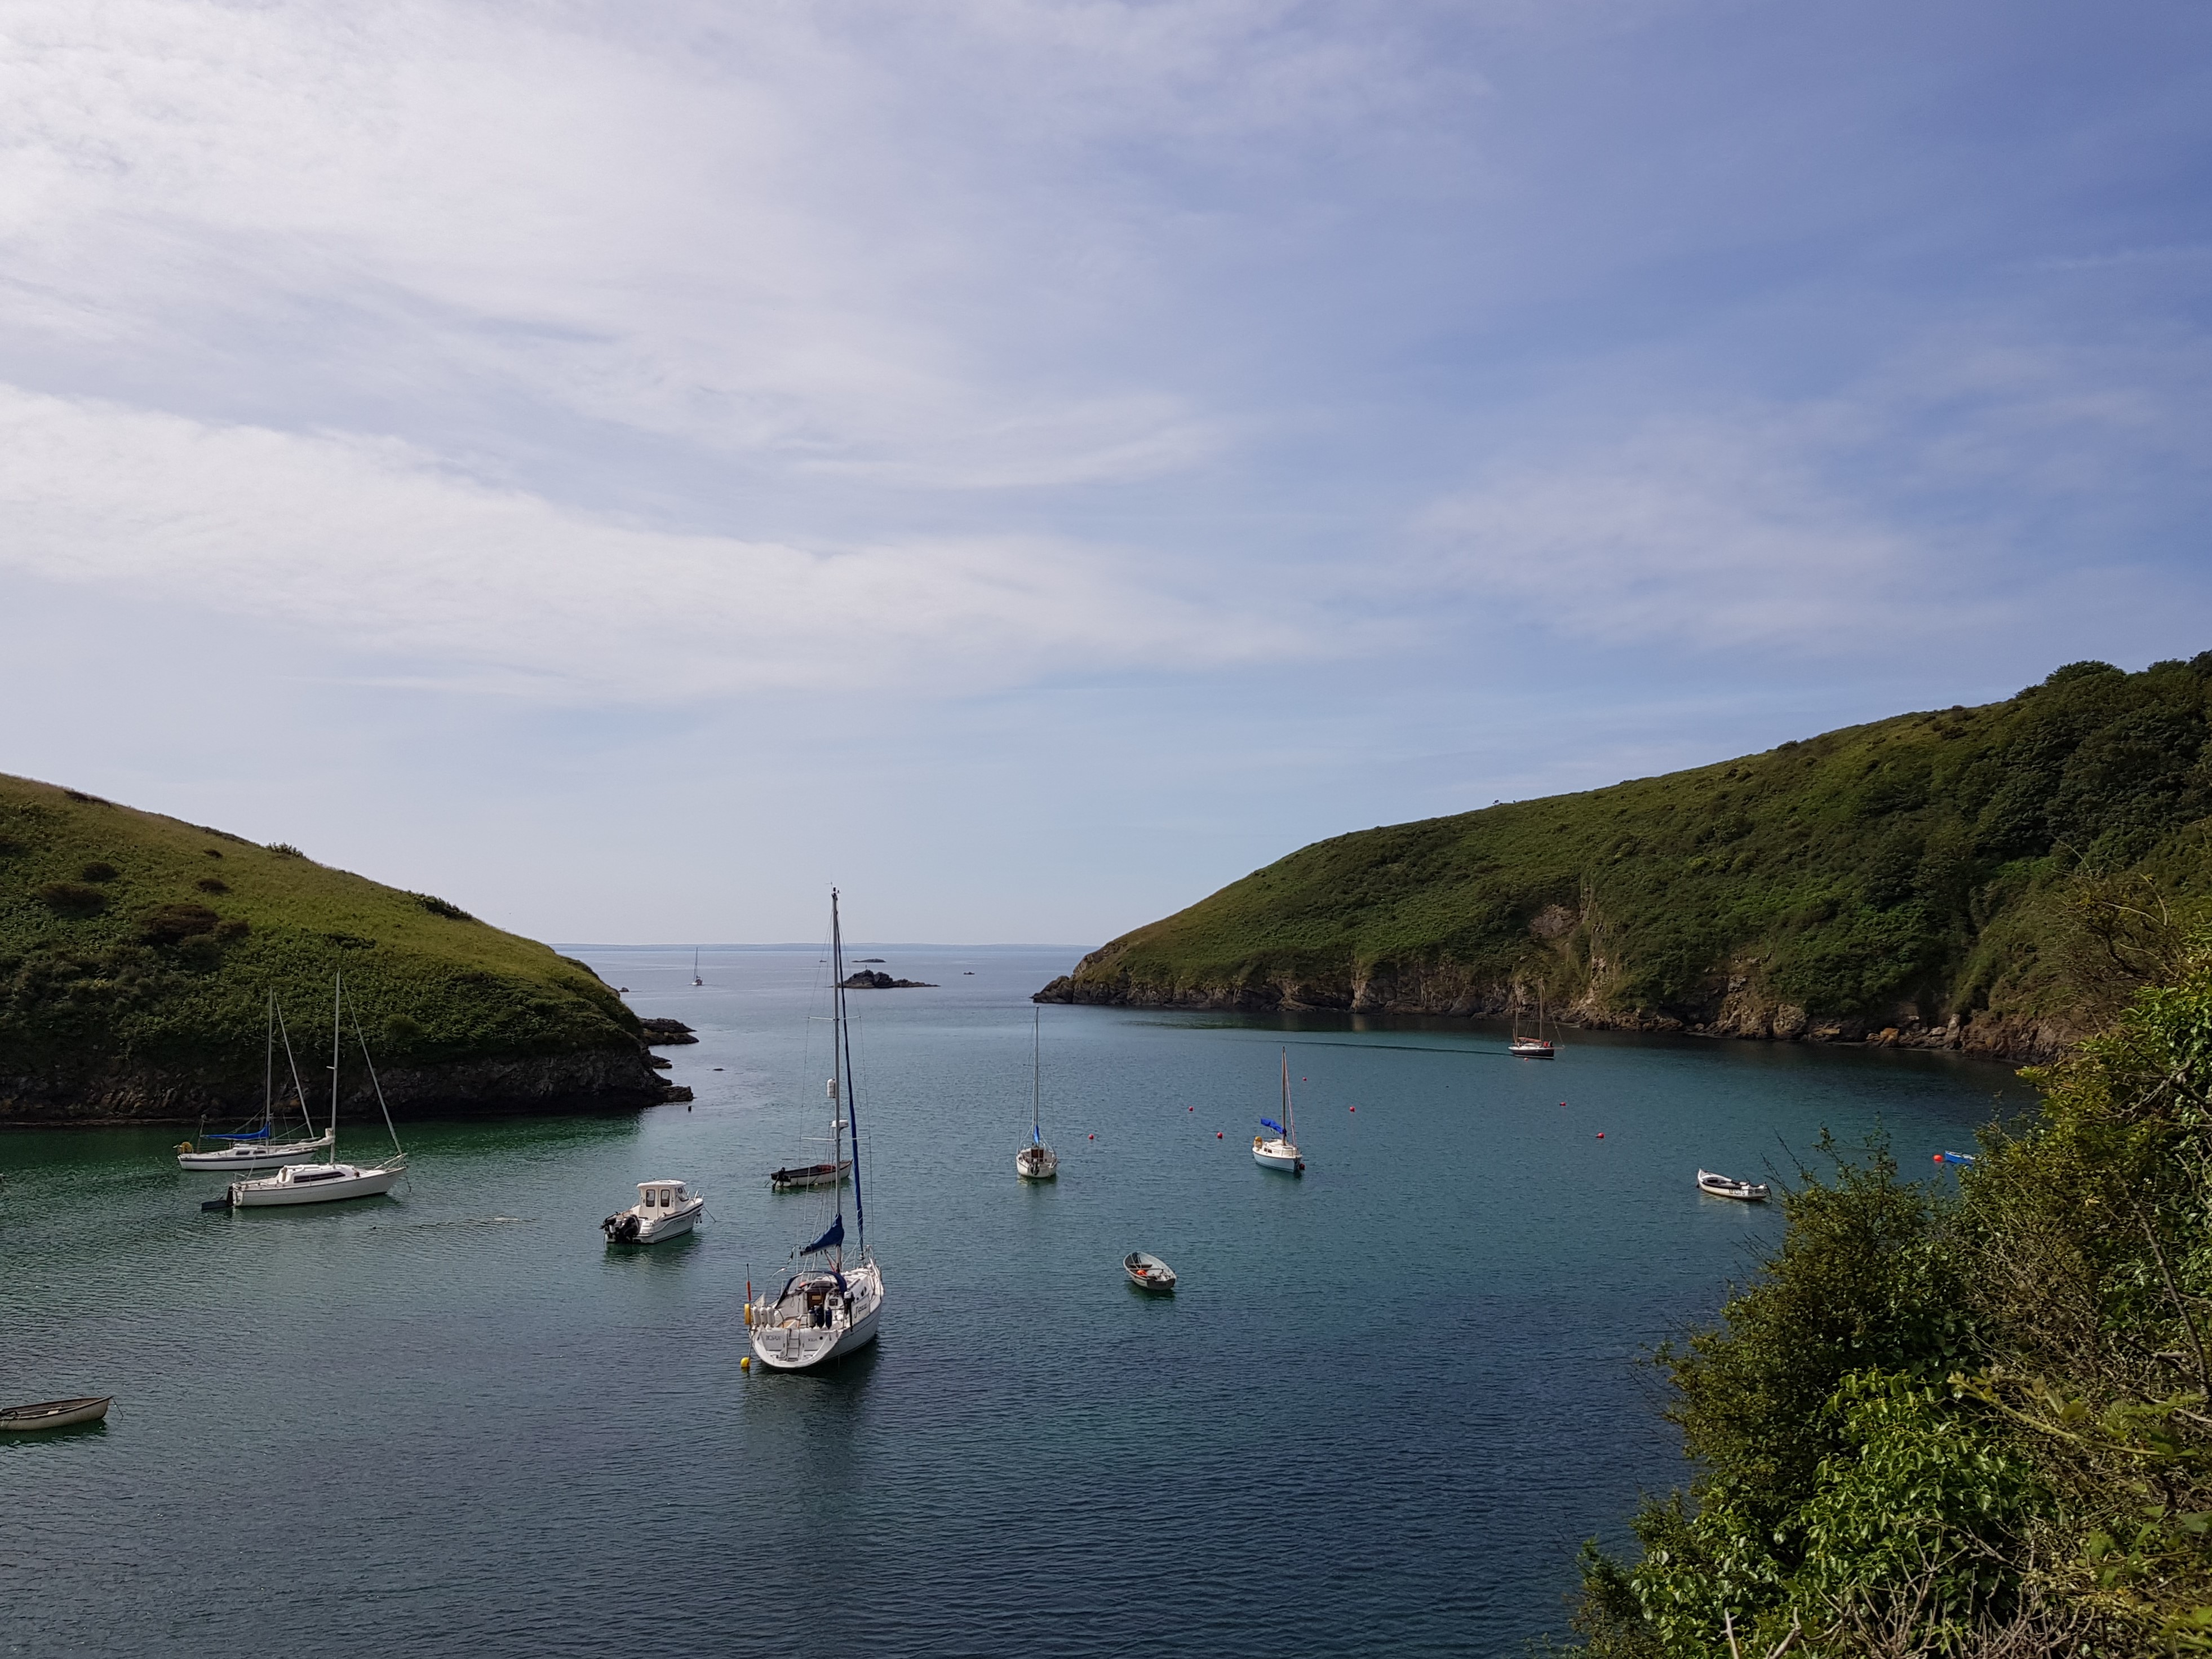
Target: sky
[{"x": 625, "y": 468}]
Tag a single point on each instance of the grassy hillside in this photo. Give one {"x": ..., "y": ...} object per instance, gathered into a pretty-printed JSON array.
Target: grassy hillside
[
  {"x": 136, "y": 951},
  {"x": 1896, "y": 874}
]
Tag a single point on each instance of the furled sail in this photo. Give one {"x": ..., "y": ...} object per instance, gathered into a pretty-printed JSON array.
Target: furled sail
[
  {"x": 1270, "y": 1123},
  {"x": 830, "y": 1239}
]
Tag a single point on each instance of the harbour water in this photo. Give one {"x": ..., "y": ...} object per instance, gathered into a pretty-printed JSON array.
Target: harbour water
[{"x": 1389, "y": 1399}]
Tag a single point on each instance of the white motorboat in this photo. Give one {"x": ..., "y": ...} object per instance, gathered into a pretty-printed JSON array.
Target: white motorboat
[
  {"x": 54, "y": 1414},
  {"x": 665, "y": 1209},
  {"x": 1148, "y": 1273},
  {"x": 330, "y": 1183},
  {"x": 257, "y": 1148},
  {"x": 1280, "y": 1150},
  {"x": 1721, "y": 1186},
  {"x": 826, "y": 1312},
  {"x": 1036, "y": 1161}
]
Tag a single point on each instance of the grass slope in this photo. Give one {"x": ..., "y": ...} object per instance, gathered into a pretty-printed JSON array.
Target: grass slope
[
  {"x": 131, "y": 943},
  {"x": 1911, "y": 869}
]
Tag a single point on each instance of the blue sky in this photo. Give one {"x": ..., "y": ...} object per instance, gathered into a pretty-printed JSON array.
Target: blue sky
[{"x": 625, "y": 468}]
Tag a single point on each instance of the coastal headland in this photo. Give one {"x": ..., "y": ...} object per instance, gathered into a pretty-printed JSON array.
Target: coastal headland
[
  {"x": 137, "y": 953},
  {"x": 1973, "y": 879}
]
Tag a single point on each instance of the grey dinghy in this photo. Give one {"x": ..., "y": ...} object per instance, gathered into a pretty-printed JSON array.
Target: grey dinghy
[
  {"x": 55, "y": 1414},
  {"x": 1149, "y": 1272}
]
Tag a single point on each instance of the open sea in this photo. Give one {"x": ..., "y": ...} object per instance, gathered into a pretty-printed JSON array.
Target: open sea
[{"x": 1389, "y": 1400}]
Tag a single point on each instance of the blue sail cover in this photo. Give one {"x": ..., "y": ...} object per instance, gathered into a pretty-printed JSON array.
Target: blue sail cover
[
  {"x": 247, "y": 1134},
  {"x": 1037, "y": 1136},
  {"x": 830, "y": 1239},
  {"x": 1270, "y": 1123}
]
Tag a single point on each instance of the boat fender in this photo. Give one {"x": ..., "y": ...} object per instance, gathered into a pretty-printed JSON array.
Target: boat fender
[{"x": 186, "y": 1145}]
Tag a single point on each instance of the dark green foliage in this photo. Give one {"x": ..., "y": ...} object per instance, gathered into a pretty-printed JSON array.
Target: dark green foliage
[
  {"x": 71, "y": 898},
  {"x": 99, "y": 870},
  {"x": 438, "y": 907},
  {"x": 142, "y": 968},
  {"x": 1917, "y": 866},
  {"x": 1971, "y": 1425},
  {"x": 284, "y": 849}
]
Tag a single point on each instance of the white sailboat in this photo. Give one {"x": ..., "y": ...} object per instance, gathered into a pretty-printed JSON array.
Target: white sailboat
[
  {"x": 1036, "y": 1161},
  {"x": 327, "y": 1183},
  {"x": 1530, "y": 1047},
  {"x": 257, "y": 1148},
  {"x": 1281, "y": 1151},
  {"x": 695, "y": 980},
  {"x": 822, "y": 1312}
]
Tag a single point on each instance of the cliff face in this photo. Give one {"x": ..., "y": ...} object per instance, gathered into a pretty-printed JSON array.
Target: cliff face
[
  {"x": 1941, "y": 880},
  {"x": 597, "y": 1081}
]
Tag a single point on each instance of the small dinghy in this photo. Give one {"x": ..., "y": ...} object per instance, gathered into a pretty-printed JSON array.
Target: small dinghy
[
  {"x": 1149, "y": 1272},
  {"x": 55, "y": 1414},
  {"x": 665, "y": 1209},
  {"x": 799, "y": 1176},
  {"x": 1721, "y": 1186}
]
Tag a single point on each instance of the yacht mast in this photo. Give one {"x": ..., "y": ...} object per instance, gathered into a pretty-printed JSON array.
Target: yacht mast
[
  {"x": 851, "y": 1105},
  {"x": 1036, "y": 1063},
  {"x": 337, "y": 993}
]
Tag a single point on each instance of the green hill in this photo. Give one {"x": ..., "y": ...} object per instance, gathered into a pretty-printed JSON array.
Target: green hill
[
  {"x": 1917, "y": 880},
  {"x": 136, "y": 953}
]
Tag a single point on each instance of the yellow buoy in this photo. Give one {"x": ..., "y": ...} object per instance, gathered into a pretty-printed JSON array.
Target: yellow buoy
[{"x": 745, "y": 1363}]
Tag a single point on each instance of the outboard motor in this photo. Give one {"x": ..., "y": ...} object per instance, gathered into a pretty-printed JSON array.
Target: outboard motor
[{"x": 620, "y": 1229}]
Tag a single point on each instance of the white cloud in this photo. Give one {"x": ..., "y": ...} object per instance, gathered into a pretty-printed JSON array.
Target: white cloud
[{"x": 373, "y": 549}]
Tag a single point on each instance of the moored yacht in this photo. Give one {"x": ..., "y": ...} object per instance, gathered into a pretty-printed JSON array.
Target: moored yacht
[
  {"x": 326, "y": 1183},
  {"x": 831, "y": 1309},
  {"x": 257, "y": 1148},
  {"x": 1280, "y": 1150},
  {"x": 1036, "y": 1161}
]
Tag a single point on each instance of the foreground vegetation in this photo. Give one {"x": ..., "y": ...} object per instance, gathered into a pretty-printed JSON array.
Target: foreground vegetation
[
  {"x": 1900, "y": 873},
  {"x": 1977, "y": 1424},
  {"x": 137, "y": 952}
]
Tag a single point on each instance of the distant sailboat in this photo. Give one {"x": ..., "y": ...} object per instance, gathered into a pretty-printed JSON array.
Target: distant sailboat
[
  {"x": 1530, "y": 1047},
  {"x": 1036, "y": 1161},
  {"x": 823, "y": 1312},
  {"x": 695, "y": 980},
  {"x": 253, "y": 1149},
  {"x": 326, "y": 1183},
  {"x": 1280, "y": 1152}
]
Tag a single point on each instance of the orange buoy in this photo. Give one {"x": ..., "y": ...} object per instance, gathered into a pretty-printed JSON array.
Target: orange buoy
[{"x": 1938, "y": 1158}]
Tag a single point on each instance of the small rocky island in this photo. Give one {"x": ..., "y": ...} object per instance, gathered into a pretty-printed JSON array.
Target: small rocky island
[{"x": 869, "y": 979}]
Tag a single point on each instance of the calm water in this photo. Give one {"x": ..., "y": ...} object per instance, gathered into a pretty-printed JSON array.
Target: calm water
[{"x": 1389, "y": 1400}]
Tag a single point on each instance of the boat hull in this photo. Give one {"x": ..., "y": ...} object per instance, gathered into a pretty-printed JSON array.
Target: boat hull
[
  {"x": 1149, "y": 1273},
  {"x": 659, "y": 1228},
  {"x": 1744, "y": 1192},
  {"x": 264, "y": 1157},
  {"x": 814, "y": 1174},
  {"x": 53, "y": 1414},
  {"x": 277, "y": 1192},
  {"x": 789, "y": 1347},
  {"x": 1277, "y": 1155},
  {"x": 1030, "y": 1166},
  {"x": 1530, "y": 1050}
]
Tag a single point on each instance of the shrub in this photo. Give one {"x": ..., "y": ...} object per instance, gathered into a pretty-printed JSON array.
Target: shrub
[
  {"x": 438, "y": 907},
  {"x": 284, "y": 849},
  {"x": 212, "y": 852},
  {"x": 169, "y": 924},
  {"x": 71, "y": 898},
  {"x": 401, "y": 1031},
  {"x": 212, "y": 884},
  {"x": 233, "y": 927}
]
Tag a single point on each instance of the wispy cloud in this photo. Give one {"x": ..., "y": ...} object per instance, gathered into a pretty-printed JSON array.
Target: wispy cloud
[{"x": 380, "y": 552}]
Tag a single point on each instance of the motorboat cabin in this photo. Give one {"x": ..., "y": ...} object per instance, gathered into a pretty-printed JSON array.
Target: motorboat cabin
[{"x": 664, "y": 1210}]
